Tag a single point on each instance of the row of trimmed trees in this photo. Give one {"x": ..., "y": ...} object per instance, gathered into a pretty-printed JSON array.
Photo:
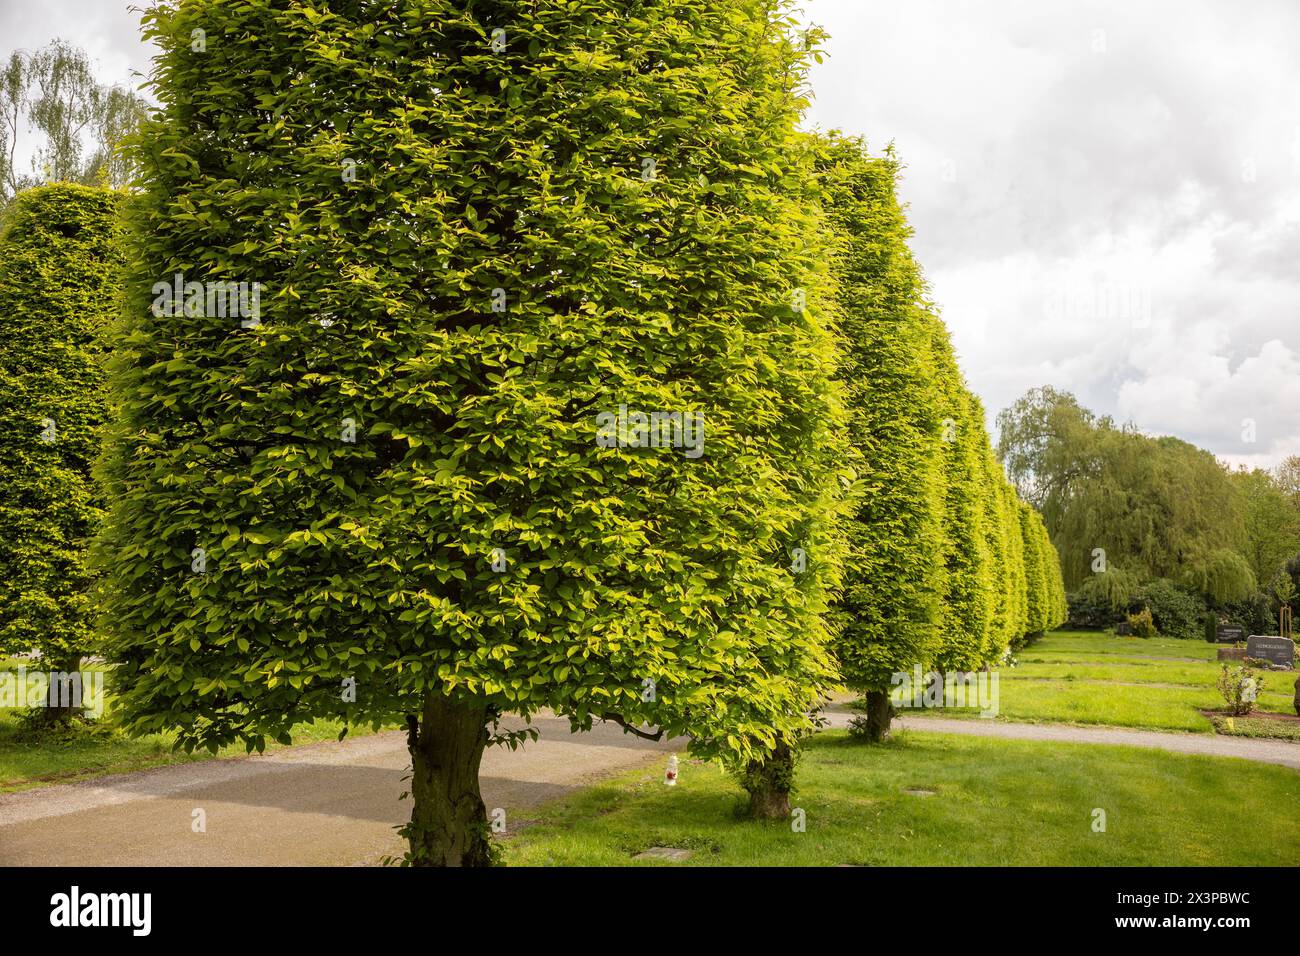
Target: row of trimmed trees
[
  {"x": 372, "y": 489},
  {"x": 947, "y": 567}
]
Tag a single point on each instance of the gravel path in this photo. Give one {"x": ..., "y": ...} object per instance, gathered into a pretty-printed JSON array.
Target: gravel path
[
  {"x": 318, "y": 805},
  {"x": 1281, "y": 752}
]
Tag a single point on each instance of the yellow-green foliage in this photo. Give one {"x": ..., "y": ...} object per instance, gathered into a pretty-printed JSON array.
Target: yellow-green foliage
[
  {"x": 472, "y": 245},
  {"x": 999, "y": 532},
  {"x": 967, "y": 594},
  {"x": 60, "y": 261},
  {"x": 887, "y": 613},
  {"x": 1040, "y": 568},
  {"x": 1018, "y": 583}
]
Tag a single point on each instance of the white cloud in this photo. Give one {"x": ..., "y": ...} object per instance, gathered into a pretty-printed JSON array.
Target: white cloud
[{"x": 1124, "y": 219}]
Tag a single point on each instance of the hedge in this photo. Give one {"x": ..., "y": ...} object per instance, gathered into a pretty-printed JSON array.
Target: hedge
[{"x": 59, "y": 282}]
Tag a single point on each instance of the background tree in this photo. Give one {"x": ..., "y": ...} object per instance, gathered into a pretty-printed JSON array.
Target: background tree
[
  {"x": 385, "y": 496},
  {"x": 1287, "y": 476},
  {"x": 60, "y": 260},
  {"x": 1272, "y": 521},
  {"x": 78, "y": 121},
  {"x": 1158, "y": 507}
]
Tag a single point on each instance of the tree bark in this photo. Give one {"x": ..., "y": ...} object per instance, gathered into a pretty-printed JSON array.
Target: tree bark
[
  {"x": 769, "y": 783},
  {"x": 877, "y": 716},
  {"x": 54, "y": 713},
  {"x": 448, "y": 819}
]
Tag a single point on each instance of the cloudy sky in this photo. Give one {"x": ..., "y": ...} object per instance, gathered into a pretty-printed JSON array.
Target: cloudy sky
[{"x": 1106, "y": 194}]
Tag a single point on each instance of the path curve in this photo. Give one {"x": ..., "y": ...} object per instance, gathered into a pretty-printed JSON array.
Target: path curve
[{"x": 1211, "y": 745}]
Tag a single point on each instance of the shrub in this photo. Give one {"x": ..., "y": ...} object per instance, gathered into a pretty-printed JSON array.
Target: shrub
[
  {"x": 1240, "y": 687},
  {"x": 1255, "y": 614},
  {"x": 1141, "y": 625},
  {"x": 1091, "y": 611},
  {"x": 1175, "y": 611}
]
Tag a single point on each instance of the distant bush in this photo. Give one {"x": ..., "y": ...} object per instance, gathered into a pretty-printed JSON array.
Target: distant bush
[
  {"x": 1175, "y": 611},
  {"x": 1255, "y": 614},
  {"x": 1089, "y": 611},
  {"x": 1141, "y": 624}
]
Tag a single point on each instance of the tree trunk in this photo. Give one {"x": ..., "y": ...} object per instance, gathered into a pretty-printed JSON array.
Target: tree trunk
[
  {"x": 58, "y": 709},
  {"x": 769, "y": 783},
  {"x": 448, "y": 820},
  {"x": 877, "y": 716}
]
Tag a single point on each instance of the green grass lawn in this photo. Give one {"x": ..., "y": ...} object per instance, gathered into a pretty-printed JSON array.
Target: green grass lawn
[
  {"x": 1095, "y": 678},
  {"x": 995, "y": 802}
]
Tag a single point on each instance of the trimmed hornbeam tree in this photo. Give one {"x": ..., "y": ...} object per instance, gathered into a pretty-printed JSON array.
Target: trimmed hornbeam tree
[
  {"x": 1058, "y": 608},
  {"x": 1000, "y": 529},
  {"x": 967, "y": 595},
  {"x": 388, "y": 456},
  {"x": 1018, "y": 617},
  {"x": 885, "y": 616},
  {"x": 60, "y": 261},
  {"x": 1037, "y": 601}
]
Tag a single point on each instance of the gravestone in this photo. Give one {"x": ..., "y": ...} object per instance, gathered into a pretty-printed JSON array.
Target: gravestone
[
  {"x": 1229, "y": 634},
  {"x": 664, "y": 853},
  {"x": 1276, "y": 650},
  {"x": 1123, "y": 629}
]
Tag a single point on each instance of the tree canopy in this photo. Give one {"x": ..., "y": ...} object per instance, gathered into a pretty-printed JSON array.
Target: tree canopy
[
  {"x": 78, "y": 121},
  {"x": 938, "y": 573},
  {"x": 466, "y": 240}
]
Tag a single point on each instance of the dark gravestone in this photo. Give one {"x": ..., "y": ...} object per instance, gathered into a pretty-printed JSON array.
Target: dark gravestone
[
  {"x": 1227, "y": 634},
  {"x": 1124, "y": 629},
  {"x": 1275, "y": 650}
]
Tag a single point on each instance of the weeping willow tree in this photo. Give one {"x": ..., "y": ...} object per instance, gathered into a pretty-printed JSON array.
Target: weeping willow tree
[{"x": 1112, "y": 497}]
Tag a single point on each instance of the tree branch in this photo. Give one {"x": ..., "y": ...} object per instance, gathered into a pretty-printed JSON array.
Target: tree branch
[{"x": 628, "y": 728}]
